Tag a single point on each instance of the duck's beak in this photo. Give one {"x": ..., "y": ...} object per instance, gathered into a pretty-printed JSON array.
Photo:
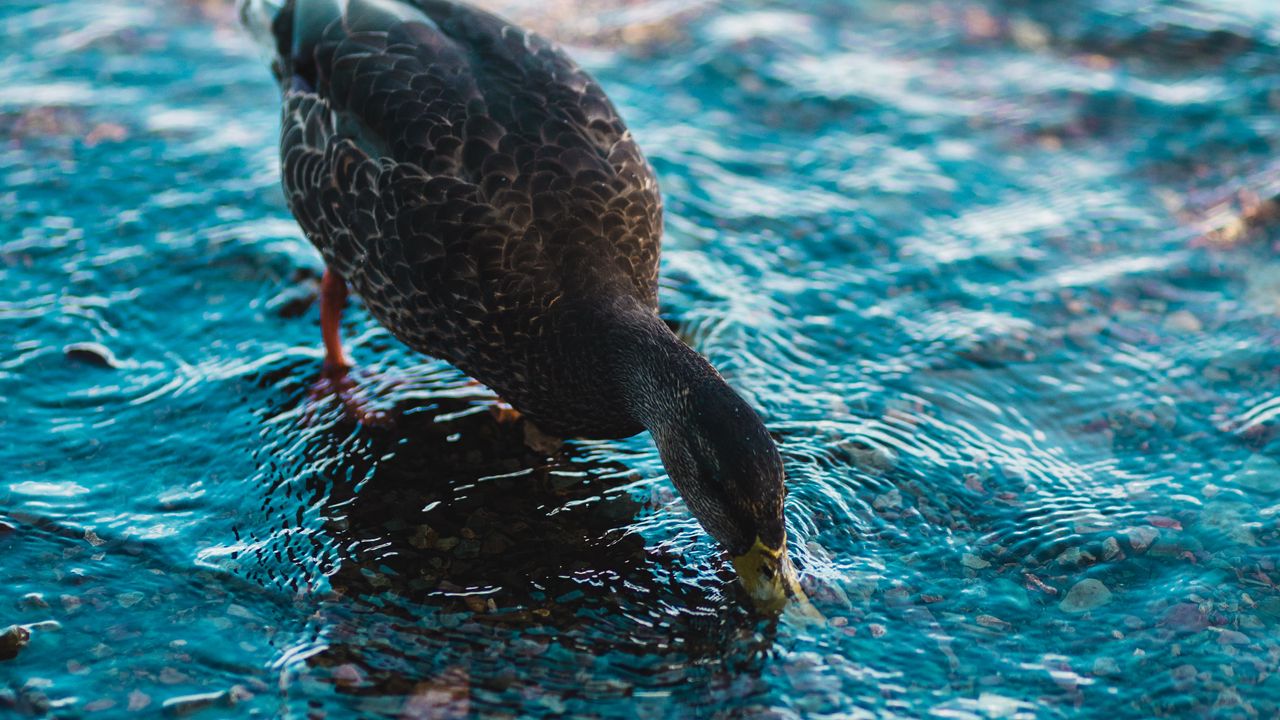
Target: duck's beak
[{"x": 767, "y": 575}]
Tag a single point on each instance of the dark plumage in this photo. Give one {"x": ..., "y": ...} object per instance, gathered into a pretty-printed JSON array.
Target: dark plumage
[
  {"x": 477, "y": 190},
  {"x": 480, "y": 193}
]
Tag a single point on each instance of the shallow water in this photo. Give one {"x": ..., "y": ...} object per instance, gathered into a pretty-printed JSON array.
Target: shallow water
[{"x": 1002, "y": 278}]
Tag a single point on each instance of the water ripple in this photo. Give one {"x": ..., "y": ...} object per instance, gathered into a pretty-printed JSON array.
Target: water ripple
[{"x": 999, "y": 275}]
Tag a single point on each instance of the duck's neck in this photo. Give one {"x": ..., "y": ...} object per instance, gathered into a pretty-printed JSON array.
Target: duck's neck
[{"x": 659, "y": 377}]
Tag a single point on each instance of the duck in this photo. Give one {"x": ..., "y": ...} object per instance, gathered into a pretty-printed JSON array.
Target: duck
[{"x": 480, "y": 194}]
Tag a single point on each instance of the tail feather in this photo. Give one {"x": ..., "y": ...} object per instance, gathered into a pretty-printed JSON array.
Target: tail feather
[
  {"x": 378, "y": 15},
  {"x": 289, "y": 30},
  {"x": 258, "y": 17}
]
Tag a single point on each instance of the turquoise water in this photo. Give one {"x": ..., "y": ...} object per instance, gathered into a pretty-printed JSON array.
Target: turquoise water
[{"x": 1003, "y": 279}]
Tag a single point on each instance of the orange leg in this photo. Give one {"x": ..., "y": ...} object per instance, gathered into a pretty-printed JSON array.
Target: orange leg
[
  {"x": 501, "y": 410},
  {"x": 334, "y": 379},
  {"x": 504, "y": 413},
  {"x": 333, "y": 298}
]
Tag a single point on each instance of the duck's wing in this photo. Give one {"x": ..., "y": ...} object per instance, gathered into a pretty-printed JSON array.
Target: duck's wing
[
  {"x": 444, "y": 150},
  {"x": 411, "y": 243}
]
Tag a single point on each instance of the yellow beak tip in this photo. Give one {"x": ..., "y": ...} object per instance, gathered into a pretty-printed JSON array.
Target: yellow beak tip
[{"x": 769, "y": 579}]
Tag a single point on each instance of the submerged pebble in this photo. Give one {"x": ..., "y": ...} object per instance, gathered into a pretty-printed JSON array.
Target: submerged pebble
[
  {"x": 1084, "y": 596},
  {"x": 1140, "y": 538},
  {"x": 183, "y": 705},
  {"x": 1260, "y": 472},
  {"x": 13, "y": 640},
  {"x": 874, "y": 459},
  {"x": 1185, "y": 617},
  {"x": 1183, "y": 321},
  {"x": 91, "y": 353},
  {"x": 1106, "y": 666}
]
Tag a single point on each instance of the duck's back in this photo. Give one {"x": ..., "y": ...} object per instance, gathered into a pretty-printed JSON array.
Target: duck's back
[{"x": 474, "y": 185}]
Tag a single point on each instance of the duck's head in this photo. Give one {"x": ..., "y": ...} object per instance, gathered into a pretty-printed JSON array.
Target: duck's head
[
  {"x": 727, "y": 468},
  {"x": 715, "y": 447}
]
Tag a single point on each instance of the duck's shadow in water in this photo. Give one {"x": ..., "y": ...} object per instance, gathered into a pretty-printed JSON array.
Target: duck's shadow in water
[{"x": 452, "y": 540}]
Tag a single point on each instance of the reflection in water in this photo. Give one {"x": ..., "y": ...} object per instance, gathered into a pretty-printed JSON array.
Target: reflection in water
[{"x": 454, "y": 552}]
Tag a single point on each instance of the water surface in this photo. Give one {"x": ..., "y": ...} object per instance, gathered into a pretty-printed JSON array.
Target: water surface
[{"x": 1001, "y": 276}]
